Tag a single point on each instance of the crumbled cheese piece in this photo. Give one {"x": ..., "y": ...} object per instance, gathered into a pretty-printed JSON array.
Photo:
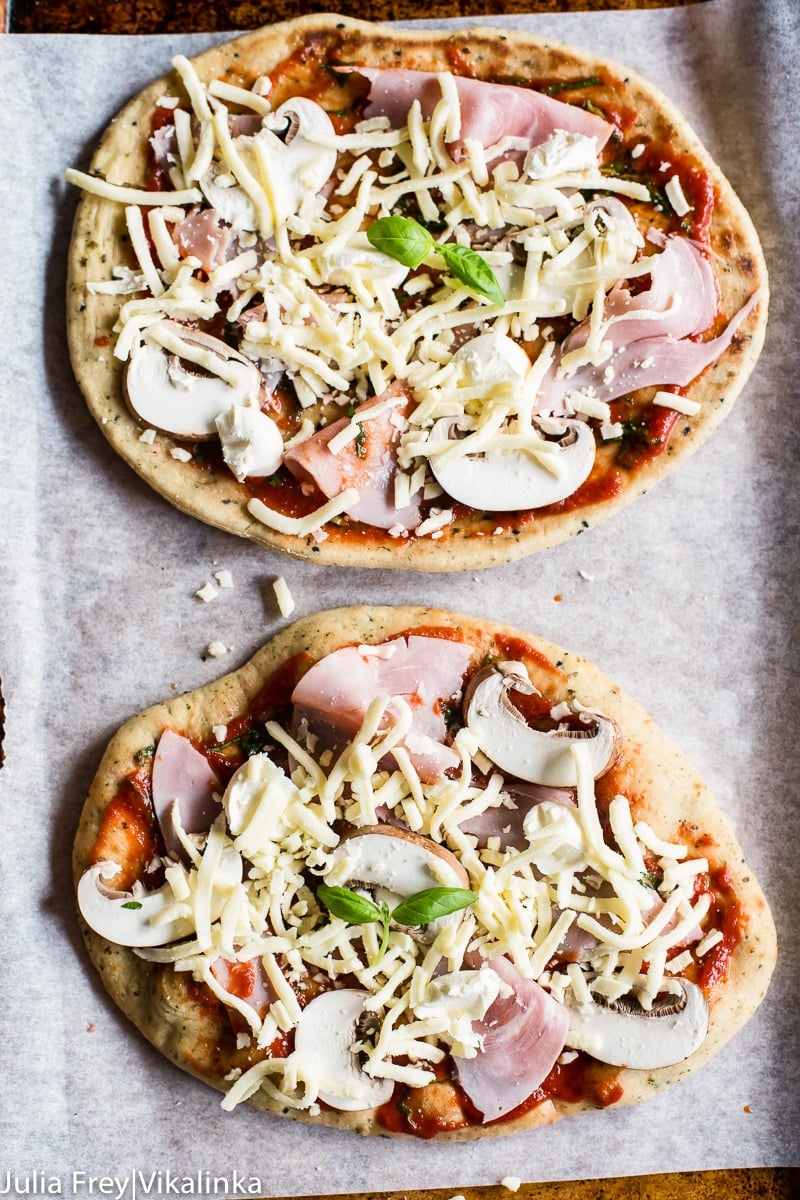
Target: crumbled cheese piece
[
  {"x": 675, "y": 195},
  {"x": 180, "y": 454},
  {"x": 638, "y": 150},
  {"x": 206, "y": 593},
  {"x": 224, "y": 578},
  {"x": 148, "y": 436},
  {"x": 216, "y": 649},
  {"x": 681, "y": 404},
  {"x": 220, "y": 732},
  {"x": 283, "y": 596},
  {"x": 511, "y": 1183}
]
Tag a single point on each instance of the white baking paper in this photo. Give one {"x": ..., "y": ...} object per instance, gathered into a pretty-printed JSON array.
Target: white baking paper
[{"x": 688, "y": 599}]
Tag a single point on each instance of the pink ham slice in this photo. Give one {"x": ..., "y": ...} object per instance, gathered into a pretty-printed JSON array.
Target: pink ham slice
[
  {"x": 650, "y": 350},
  {"x": 369, "y": 464},
  {"x": 203, "y": 236},
  {"x": 334, "y": 695},
  {"x": 246, "y": 980},
  {"x": 506, "y": 823},
  {"x": 489, "y": 111},
  {"x": 523, "y": 1035},
  {"x": 183, "y": 776}
]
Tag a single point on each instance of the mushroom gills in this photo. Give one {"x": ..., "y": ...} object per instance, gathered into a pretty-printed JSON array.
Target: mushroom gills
[
  {"x": 324, "y": 1056},
  {"x": 538, "y": 756},
  {"x": 630, "y": 1036}
]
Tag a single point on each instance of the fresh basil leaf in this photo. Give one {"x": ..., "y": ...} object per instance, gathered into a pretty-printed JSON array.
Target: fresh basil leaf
[
  {"x": 431, "y": 904},
  {"x": 473, "y": 271},
  {"x": 131, "y": 904},
  {"x": 348, "y": 906},
  {"x": 402, "y": 238}
]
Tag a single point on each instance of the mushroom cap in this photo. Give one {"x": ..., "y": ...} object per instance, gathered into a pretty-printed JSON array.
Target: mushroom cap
[
  {"x": 638, "y": 1038},
  {"x": 130, "y": 918},
  {"x": 536, "y": 755},
  {"x": 397, "y": 859},
  {"x": 123, "y": 918},
  {"x": 508, "y": 480},
  {"x": 164, "y": 396},
  {"x": 323, "y": 1054}
]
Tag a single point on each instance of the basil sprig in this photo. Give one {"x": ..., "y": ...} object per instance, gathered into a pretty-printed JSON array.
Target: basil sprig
[
  {"x": 405, "y": 240},
  {"x": 418, "y": 909}
]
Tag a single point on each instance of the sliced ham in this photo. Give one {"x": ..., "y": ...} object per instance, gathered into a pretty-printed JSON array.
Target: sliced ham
[
  {"x": 182, "y": 776},
  {"x": 334, "y": 695},
  {"x": 523, "y": 1035},
  {"x": 246, "y": 980},
  {"x": 650, "y": 332},
  {"x": 489, "y": 111},
  {"x": 506, "y": 824},
  {"x": 204, "y": 236},
  {"x": 368, "y": 464}
]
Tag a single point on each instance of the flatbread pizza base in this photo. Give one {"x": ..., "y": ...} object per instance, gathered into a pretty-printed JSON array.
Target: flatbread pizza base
[
  {"x": 216, "y": 498},
  {"x": 656, "y": 777}
]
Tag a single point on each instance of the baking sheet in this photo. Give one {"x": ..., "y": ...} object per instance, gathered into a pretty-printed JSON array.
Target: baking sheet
[{"x": 687, "y": 600}]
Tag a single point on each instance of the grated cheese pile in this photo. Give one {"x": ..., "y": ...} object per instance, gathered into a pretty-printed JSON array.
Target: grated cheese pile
[
  {"x": 282, "y": 830},
  {"x": 304, "y": 295}
]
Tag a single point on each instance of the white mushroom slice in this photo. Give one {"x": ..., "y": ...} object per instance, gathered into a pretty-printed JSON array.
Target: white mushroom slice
[
  {"x": 292, "y": 155},
  {"x": 323, "y": 1053},
  {"x": 396, "y": 859},
  {"x": 395, "y": 863},
  {"x": 129, "y": 918},
  {"x": 642, "y": 1040},
  {"x": 175, "y": 399},
  {"x": 125, "y": 918},
  {"x": 500, "y": 480},
  {"x": 535, "y": 755}
]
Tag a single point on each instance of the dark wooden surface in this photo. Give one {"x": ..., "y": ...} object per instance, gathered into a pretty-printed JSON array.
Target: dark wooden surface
[{"x": 202, "y": 16}]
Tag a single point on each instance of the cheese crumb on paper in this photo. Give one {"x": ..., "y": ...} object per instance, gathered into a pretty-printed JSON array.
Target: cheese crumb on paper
[{"x": 285, "y": 599}]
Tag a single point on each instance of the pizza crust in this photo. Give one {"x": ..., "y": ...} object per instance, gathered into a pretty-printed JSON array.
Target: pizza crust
[
  {"x": 654, "y": 774},
  {"x": 215, "y": 497}
]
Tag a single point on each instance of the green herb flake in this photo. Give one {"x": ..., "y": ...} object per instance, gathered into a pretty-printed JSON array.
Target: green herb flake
[
  {"x": 131, "y": 904},
  {"x": 570, "y": 85},
  {"x": 144, "y": 755}
]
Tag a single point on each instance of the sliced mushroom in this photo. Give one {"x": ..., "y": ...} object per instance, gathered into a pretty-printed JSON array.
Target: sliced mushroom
[
  {"x": 397, "y": 859},
  {"x": 129, "y": 918},
  {"x": 165, "y": 395},
  {"x": 536, "y": 755},
  {"x": 509, "y": 480},
  {"x": 627, "y": 1035},
  {"x": 392, "y": 863},
  {"x": 324, "y": 1054},
  {"x": 296, "y": 145}
]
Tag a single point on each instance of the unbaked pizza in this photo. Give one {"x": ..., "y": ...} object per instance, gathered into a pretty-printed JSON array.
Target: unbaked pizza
[
  {"x": 407, "y": 299},
  {"x": 413, "y": 873}
]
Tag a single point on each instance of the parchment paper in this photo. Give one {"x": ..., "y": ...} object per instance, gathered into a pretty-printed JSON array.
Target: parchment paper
[{"x": 689, "y": 603}]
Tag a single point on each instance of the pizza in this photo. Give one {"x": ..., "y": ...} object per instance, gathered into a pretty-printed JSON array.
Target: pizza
[
  {"x": 428, "y": 300},
  {"x": 414, "y": 873}
]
